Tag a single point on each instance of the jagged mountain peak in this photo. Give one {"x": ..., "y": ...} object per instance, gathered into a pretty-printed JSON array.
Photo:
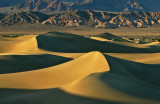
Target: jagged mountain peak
[{"x": 41, "y": 5}]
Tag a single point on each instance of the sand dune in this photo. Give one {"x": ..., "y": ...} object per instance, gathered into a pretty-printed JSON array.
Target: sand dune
[
  {"x": 64, "y": 68},
  {"x": 20, "y": 44},
  {"x": 53, "y": 77}
]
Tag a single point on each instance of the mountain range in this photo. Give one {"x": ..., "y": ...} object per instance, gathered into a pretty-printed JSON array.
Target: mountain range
[
  {"x": 100, "y": 5},
  {"x": 120, "y": 13},
  {"x": 85, "y": 17},
  {"x": 23, "y": 18}
]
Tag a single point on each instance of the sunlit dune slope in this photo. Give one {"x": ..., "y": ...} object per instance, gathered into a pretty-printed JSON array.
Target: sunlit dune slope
[
  {"x": 63, "y": 68},
  {"x": 20, "y": 44}
]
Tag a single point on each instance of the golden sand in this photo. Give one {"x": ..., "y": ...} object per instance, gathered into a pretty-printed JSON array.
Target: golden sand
[{"x": 96, "y": 71}]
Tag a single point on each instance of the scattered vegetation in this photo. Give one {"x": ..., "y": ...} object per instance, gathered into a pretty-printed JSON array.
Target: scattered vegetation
[
  {"x": 12, "y": 35},
  {"x": 143, "y": 39},
  {"x": 131, "y": 38},
  {"x": 155, "y": 40}
]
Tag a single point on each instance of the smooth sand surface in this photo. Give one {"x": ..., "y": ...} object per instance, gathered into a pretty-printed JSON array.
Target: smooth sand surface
[{"x": 63, "y": 68}]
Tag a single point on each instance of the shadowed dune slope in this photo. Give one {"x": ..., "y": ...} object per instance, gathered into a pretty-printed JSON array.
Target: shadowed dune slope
[
  {"x": 20, "y": 63},
  {"x": 126, "y": 82},
  {"x": 63, "y": 68},
  {"x": 111, "y": 37},
  {"x": 48, "y": 96},
  {"x": 69, "y": 43}
]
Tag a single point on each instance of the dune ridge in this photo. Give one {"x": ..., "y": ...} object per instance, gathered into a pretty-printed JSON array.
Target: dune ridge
[{"x": 56, "y": 76}]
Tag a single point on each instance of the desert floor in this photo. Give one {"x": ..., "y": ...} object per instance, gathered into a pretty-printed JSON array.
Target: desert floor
[{"x": 153, "y": 31}]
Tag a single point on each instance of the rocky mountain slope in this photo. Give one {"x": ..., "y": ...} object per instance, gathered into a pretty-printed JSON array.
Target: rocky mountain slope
[
  {"x": 105, "y": 19},
  {"x": 23, "y": 18},
  {"x": 41, "y": 5}
]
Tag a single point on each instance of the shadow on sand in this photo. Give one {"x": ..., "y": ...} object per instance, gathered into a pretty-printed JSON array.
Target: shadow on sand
[
  {"x": 21, "y": 63},
  {"x": 136, "y": 79}
]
